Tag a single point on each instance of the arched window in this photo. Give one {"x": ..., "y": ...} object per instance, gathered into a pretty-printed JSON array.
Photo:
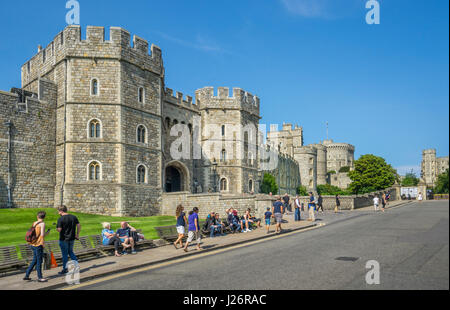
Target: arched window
[
  {"x": 94, "y": 87},
  {"x": 94, "y": 171},
  {"x": 141, "y": 95},
  {"x": 175, "y": 122},
  {"x": 223, "y": 184},
  {"x": 250, "y": 158},
  {"x": 250, "y": 185},
  {"x": 223, "y": 156},
  {"x": 168, "y": 123},
  {"x": 141, "y": 175},
  {"x": 223, "y": 130},
  {"x": 311, "y": 172},
  {"x": 95, "y": 129},
  {"x": 141, "y": 134}
]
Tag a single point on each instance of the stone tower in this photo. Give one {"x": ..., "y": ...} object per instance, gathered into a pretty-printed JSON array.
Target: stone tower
[
  {"x": 108, "y": 119},
  {"x": 339, "y": 155},
  {"x": 306, "y": 156},
  {"x": 432, "y": 166},
  {"x": 229, "y": 138},
  {"x": 321, "y": 163}
]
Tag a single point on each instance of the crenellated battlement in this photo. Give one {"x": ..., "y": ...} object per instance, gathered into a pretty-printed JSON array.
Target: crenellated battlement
[
  {"x": 179, "y": 99},
  {"x": 69, "y": 44},
  {"x": 243, "y": 100}
]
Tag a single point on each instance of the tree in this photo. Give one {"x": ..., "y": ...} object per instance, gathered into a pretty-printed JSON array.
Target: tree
[
  {"x": 371, "y": 173},
  {"x": 344, "y": 169},
  {"x": 410, "y": 179},
  {"x": 302, "y": 191},
  {"x": 330, "y": 190},
  {"x": 269, "y": 184},
  {"x": 442, "y": 183}
]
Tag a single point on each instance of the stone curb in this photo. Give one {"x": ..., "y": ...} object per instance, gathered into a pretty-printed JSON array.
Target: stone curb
[{"x": 90, "y": 278}]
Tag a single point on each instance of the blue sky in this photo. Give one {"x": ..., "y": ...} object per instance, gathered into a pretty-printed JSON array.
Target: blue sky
[{"x": 383, "y": 88}]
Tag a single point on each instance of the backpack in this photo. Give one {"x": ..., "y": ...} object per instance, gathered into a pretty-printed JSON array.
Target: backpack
[{"x": 31, "y": 236}]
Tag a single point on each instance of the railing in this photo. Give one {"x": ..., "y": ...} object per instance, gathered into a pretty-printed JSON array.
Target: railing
[{"x": 441, "y": 197}]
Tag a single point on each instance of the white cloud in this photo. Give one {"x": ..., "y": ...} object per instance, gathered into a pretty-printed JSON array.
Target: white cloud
[
  {"x": 200, "y": 43},
  {"x": 327, "y": 9},
  {"x": 403, "y": 170},
  {"x": 306, "y": 8}
]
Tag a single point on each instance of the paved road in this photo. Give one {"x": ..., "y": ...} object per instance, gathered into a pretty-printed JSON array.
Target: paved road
[{"x": 411, "y": 244}]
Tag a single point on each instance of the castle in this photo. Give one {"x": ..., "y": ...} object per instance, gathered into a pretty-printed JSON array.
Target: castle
[
  {"x": 94, "y": 127},
  {"x": 319, "y": 164},
  {"x": 432, "y": 167}
]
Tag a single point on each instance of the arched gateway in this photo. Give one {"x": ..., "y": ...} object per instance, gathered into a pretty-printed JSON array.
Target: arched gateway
[{"x": 176, "y": 177}]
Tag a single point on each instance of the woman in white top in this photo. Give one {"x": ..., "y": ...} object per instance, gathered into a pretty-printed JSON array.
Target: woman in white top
[{"x": 420, "y": 197}]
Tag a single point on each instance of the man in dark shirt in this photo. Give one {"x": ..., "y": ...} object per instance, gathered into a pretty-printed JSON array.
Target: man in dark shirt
[
  {"x": 69, "y": 229},
  {"x": 320, "y": 203},
  {"x": 286, "y": 200},
  {"x": 124, "y": 234},
  {"x": 277, "y": 211}
]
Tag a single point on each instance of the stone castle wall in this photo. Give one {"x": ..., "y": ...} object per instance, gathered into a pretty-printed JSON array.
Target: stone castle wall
[{"x": 33, "y": 147}]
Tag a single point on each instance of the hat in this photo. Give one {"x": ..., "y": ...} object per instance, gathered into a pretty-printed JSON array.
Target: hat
[{"x": 234, "y": 212}]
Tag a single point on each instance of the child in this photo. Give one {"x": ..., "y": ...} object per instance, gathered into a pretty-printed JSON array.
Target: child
[{"x": 267, "y": 217}]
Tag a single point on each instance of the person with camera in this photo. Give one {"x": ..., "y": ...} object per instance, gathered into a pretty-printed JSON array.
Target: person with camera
[{"x": 36, "y": 242}]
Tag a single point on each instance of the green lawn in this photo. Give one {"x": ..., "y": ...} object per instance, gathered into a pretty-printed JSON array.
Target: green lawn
[{"x": 14, "y": 224}]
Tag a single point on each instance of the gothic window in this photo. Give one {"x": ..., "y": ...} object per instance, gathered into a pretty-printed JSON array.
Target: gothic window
[
  {"x": 250, "y": 185},
  {"x": 94, "y": 171},
  {"x": 94, "y": 129},
  {"x": 141, "y": 174},
  {"x": 141, "y": 95},
  {"x": 94, "y": 87},
  {"x": 141, "y": 134},
  {"x": 223, "y": 156},
  {"x": 223, "y": 130},
  {"x": 250, "y": 158},
  {"x": 223, "y": 184}
]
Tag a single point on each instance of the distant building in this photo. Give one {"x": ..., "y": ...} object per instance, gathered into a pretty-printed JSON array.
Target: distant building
[{"x": 432, "y": 166}]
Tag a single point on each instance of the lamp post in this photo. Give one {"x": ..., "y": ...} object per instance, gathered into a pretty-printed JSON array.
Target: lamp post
[
  {"x": 214, "y": 174},
  {"x": 9, "y": 204}
]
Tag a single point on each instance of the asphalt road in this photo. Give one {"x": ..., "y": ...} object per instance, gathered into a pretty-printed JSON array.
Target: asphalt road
[{"x": 410, "y": 243}]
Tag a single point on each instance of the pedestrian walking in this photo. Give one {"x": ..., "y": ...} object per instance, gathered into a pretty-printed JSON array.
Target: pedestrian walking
[
  {"x": 320, "y": 204},
  {"x": 383, "y": 202},
  {"x": 37, "y": 246},
  {"x": 376, "y": 202},
  {"x": 181, "y": 224},
  {"x": 268, "y": 217},
  {"x": 277, "y": 211},
  {"x": 298, "y": 207},
  {"x": 311, "y": 208},
  {"x": 420, "y": 197},
  {"x": 338, "y": 204},
  {"x": 194, "y": 229},
  {"x": 69, "y": 229},
  {"x": 286, "y": 206}
]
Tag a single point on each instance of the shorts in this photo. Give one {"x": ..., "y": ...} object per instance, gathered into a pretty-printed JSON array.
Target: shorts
[
  {"x": 180, "y": 230},
  {"x": 278, "y": 217},
  {"x": 192, "y": 235},
  {"x": 267, "y": 222}
]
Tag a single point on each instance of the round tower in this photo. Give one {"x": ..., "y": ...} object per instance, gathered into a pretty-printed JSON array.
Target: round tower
[
  {"x": 321, "y": 163},
  {"x": 306, "y": 156}
]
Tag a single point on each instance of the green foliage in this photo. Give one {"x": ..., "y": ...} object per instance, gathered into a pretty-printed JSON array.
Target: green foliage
[
  {"x": 410, "y": 179},
  {"x": 371, "y": 173},
  {"x": 344, "y": 169},
  {"x": 332, "y": 172},
  {"x": 302, "y": 191},
  {"x": 14, "y": 224},
  {"x": 442, "y": 183},
  {"x": 330, "y": 190},
  {"x": 269, "y": 184}
]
